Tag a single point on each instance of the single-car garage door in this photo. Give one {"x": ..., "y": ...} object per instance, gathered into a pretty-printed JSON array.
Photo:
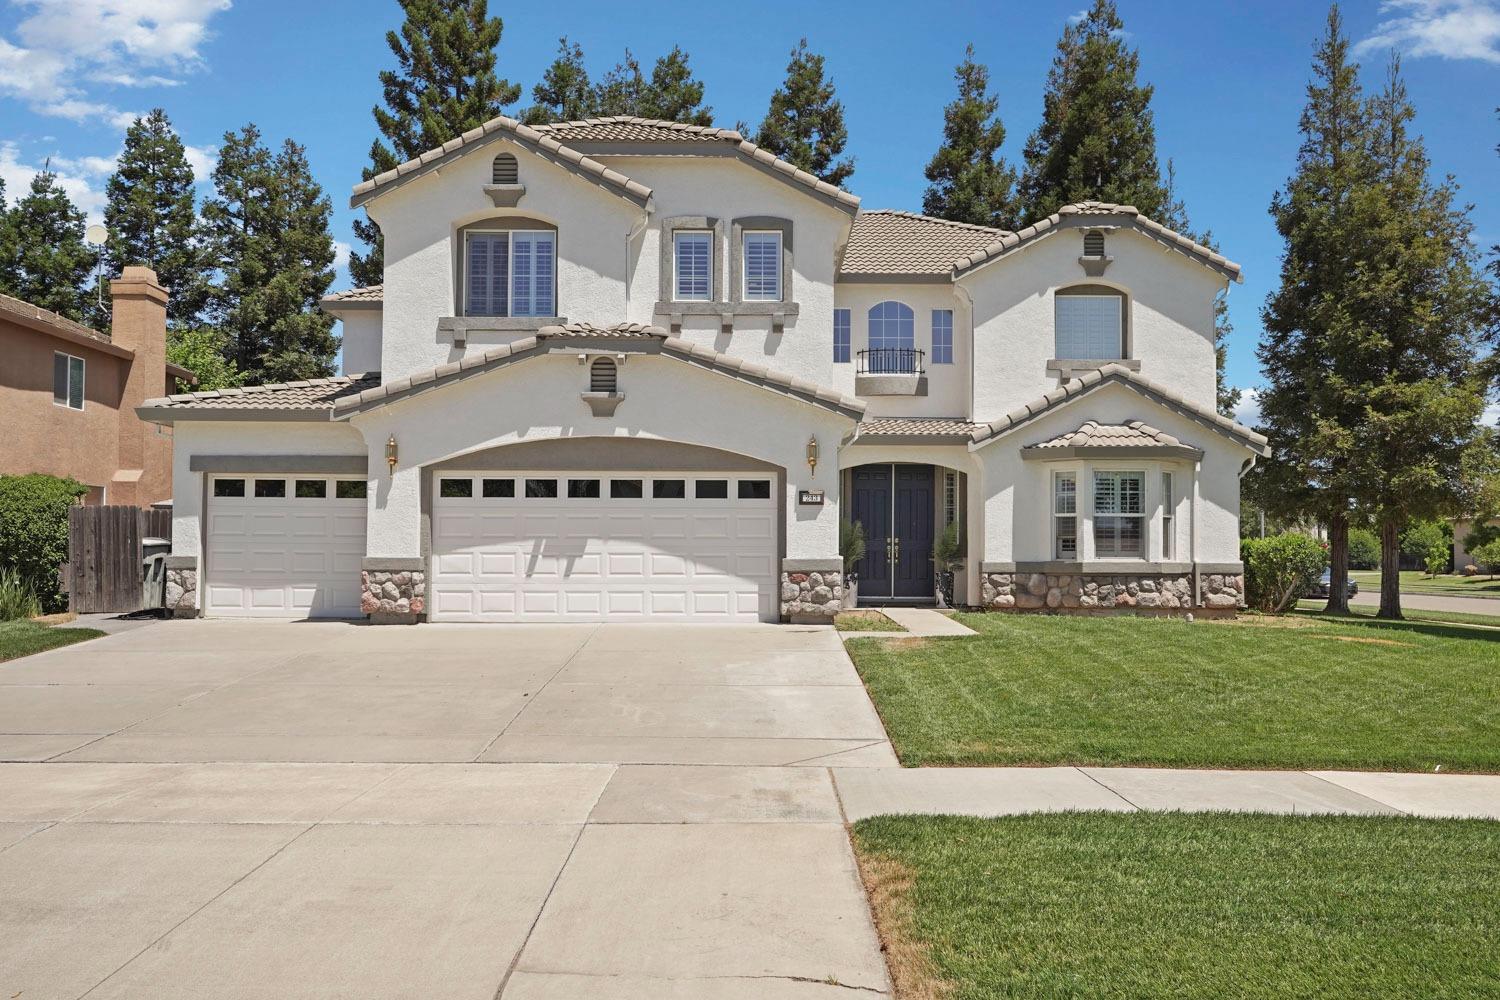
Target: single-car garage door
[
  {"x": 582, "y": 546},
  {"x": 284, "y": 547}
]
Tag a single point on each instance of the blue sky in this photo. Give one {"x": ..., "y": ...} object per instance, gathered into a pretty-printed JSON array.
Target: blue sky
[{"x": 1229, "y": 80}]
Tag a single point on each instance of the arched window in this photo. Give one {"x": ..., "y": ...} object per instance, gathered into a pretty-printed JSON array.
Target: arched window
[
  {"x": 504, "y": 170},
  {"x": 1093, "y": 244},
  {"x": 893, "y": 338},
  {"x": 1089, "y": 323},
  {"x": 603, "y": 376}
]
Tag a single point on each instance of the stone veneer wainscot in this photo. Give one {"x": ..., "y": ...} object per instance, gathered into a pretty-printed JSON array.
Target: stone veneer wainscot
[
  {"x": 812, "y": 590},
  {"x": 393, "y": 591},
  {"x": 1068, "y": 592}
]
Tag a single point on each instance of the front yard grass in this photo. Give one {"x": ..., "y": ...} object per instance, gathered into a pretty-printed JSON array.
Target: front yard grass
[
  {"x": 22, "y": 638},
  {"x": 1411, "y": 614},
  {"x": 865, "y": 620},
  {"x": 1299, "y": 692},
  {"x": 1148, "y": 905},
  {"x": 1414, "y": 581}
]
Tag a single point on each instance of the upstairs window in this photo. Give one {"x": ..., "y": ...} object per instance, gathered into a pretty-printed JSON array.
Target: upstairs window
[
  {"x": 603, "y": 376},
  {"x": 942, "y": 336},
  {"x": 67, "y": 381},
  {"x": 510, "y": 273},
  {"x": 693, "y": 256},
  {"x": 1119, "y": 514},
  {"x": 762, "y": 252},
  {"x": 1090, "y": 327},
  {"x": 504, "y": 170},
  {"x": 842, "y": 338}
]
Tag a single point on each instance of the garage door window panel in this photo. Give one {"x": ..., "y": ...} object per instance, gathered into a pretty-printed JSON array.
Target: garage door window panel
[
  {"x": 755, "y": 489},
  {"x": 626, "y": 489},
  {"x": 270, "y": 489},
  {"x": 583, "y": 489},
  {"x": 349, "y": 489},
  {"x": 229, "y": 487},
  {"x": 456, "y": 488},
  {"x": 311, "y": 489},
  {"x": 711, "y": 489},
  {"x": 669, "y": 489},
  {"x": 499, "y": 489},
  {"x": 541, "y": 489}
]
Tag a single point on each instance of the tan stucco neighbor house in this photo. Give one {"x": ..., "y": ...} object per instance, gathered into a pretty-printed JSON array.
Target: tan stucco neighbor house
[
  {"x": 633, "y": 370},
  {"x": 68, "y": 394}
]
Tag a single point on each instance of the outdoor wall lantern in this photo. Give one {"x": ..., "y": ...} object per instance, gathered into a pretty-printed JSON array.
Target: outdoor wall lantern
[
  {"x": 390, "y": 452},
  {"x": 812, "y": 454}
]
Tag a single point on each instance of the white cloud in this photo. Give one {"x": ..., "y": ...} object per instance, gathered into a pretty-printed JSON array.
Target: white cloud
[
  {"x": 1492, "y": 414},
  {"x": 63, "y": 46},
  {"x": 202, "y": 159},
  {"x": 1449, "y": 29},
  {"x": 341, "y": 251},
  {"x": 82, "y": 179},
  {"x": 1248, "y": 410}
]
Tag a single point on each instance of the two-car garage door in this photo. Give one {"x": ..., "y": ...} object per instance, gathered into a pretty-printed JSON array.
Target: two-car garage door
[{"x": 586, "y": 546}]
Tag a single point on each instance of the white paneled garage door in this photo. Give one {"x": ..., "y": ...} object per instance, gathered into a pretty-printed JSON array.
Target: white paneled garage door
[
  {"x": 586, "y": 546},
  {"x": 284, "y": 547}
]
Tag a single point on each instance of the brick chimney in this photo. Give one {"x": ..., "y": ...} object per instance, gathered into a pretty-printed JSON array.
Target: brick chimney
[{"x": 140, "y": 325}]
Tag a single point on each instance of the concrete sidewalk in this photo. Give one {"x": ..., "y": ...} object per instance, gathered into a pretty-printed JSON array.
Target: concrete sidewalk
[{"x": 1002, "y": 791}]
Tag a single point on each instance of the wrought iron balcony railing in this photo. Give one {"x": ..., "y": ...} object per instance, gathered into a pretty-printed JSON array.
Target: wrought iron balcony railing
[{"x": 891, "y": 361}]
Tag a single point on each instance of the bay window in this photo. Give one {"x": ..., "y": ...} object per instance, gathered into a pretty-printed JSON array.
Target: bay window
[
  {"x": 1119, "y": 514},
  {"x": 1168, "y": 516},
  {"x": 510, "y": 273},
  {"x": 1065, "y": 516}
]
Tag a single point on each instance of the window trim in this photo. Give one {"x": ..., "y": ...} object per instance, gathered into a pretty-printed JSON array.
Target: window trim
[
  {"x": 761, "y": 224},
  {"x": 746, "y": 235},
  {"x": 67, "y": 400},
  {"x": 844, "y": 347},
  {"x": 676, "y": 288},
  {"x": 491, "y": 227}
]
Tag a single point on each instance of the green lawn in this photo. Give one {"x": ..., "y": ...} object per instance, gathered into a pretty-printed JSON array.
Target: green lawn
[
  {"x": 865, "y": 620},
  {"x": 1170, "y": 905},
  {"x": 1414, "y": 581},
  {"x": 1298, "y": 693},
  {"x": 22, "y": 638}
]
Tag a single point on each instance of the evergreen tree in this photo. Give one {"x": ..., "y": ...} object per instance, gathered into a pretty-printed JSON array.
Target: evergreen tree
[
  {"x": 267, "y": 230},
  {"x": 1097, "y": 139},
  {"x": 1415, "y": 361},
  {"x": 444, "y": 85},
  {"x": 670, "y": 93},
  {"x": 805, "y": 122},
  {"x": 969, "y": 181},
  {"x": 1175, "y": 217},
  {"x": 564, "y": 93},
  {"x": 8, "y": 248},
  {"x": 49, "y": 263},
  {"x": 150, "y": 214},
  {"x": 1309, "y": 404}
]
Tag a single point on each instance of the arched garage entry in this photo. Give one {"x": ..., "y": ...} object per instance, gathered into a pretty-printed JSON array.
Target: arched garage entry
[{"x": 603, "y": 529}]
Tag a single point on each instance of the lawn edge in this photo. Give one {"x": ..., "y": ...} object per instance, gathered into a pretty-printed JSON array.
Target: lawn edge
[
  {"x": 887, "y": 883},
  {"x": 76, "y": 636}
]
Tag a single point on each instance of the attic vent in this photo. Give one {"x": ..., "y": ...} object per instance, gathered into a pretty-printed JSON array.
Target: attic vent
[
  {"x": 603, "y": 376},
  {"x": 504, "y": 170},
  {"x": 1093, "y": 244}
]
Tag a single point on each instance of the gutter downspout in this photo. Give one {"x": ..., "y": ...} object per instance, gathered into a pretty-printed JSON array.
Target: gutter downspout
[
  {"x": 973, "y": 569},
  {"x": 630, "y": 235},
  {"x": 1193, "y": 536}
]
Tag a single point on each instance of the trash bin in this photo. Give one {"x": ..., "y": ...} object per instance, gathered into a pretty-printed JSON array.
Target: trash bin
[{"x": 154, "y": 552}]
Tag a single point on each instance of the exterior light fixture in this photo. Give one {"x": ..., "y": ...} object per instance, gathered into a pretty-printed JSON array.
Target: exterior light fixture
[
  {"x": 390, "y": 452},
  {"x": 812, "y": 454}
]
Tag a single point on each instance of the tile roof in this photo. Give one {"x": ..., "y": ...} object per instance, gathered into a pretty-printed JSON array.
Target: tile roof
[
  {"x": 928, "y": 428},
  {"x": 21, "y": 309},
  {"x": 370, "y": 293},
  {"x": 310, "y": 395},
  {"x": 903, "y": 244},
  {"x": 1011, "y": 241},
  {"x": 631, "y": 331},
  {"x": 630, "y": 129},
  {"x": 1092, "y": 434},
  {"x": 499, "y": 127},
  {"x": 1119, "y": 373}
]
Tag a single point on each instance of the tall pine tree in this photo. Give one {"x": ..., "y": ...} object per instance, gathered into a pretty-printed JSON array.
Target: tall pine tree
[
  {"x": 8, "y": 248},
  {"x": 670, "y": 93},
  {"x": 267, "y": 230},
  {"x": 1417, "y": 362},
  {"x": 969, "y": 181},
  {"x": 48, "y": 263},
  {"x": 1310, "y": 402},
  {"x": 150, "y": 215},
  {"x": 564, "y": 94},
  {"x": 805, "y": 122},
  {"x": 1097, "y": 139},
  {"x": 444, "y": 84}
]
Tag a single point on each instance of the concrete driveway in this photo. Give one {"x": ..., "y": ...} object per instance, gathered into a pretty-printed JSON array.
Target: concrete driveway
[{"x": 327, "y": 810}]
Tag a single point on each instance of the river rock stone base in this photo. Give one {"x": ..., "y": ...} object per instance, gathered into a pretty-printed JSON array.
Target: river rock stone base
[
  {"x": 1149, "y": 593},
  {"x": 182, "y": 593},
  {"x": 811, "y": 598},
  {"x": 393, "y": 597}
]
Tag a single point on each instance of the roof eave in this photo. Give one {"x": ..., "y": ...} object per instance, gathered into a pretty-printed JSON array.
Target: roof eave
[{"x": 168, "y": 415}]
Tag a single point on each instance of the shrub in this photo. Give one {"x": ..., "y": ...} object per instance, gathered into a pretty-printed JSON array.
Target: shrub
[
  {"x": 1488, "y": 556},
  {"x": 1280, "y": 569},
  {"x": 17, "y": 600},
  {"x": 851, "y": 544},
  {"x": 34, "y": 531},
  {"x": 1364, "y": 548}
]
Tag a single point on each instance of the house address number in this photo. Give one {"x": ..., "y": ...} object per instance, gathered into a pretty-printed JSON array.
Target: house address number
[{"x": 812, "y": 498}]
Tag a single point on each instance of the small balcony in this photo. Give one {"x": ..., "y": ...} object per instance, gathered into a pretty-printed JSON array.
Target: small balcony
[{"x": 891, "y": 371}]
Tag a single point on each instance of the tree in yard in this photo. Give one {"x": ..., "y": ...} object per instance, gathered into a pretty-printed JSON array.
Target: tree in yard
[
  {"x": 1097, "y": 139},
  {"x": 670, "y": 93},
  {"x": 48, "y": 263},
  {"x": 266, "y": 228},
  {"x": 150, "y": 214},
  {"x": 443, "y": 85},
  {"x": 8, "y": 248},
  {"x": 1488, "y": 556},
  {"x": 1414, "y": 358},
  {"x": 201, "y": 350},
  {"x": 805, "y": 122},
  {"x": 1427, "y": 542},
  {"x": 969, "y": 181},
  {"x": 1309, "y": 405},
  {"x": 564, "y": 93}
]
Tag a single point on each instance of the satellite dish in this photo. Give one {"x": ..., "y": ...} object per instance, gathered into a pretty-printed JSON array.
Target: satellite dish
[{"x": 95, "y": 235}]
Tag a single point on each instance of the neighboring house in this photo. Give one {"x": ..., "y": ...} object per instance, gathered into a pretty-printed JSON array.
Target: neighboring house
[
  {"x": 635, "y": 370},
  {"x": 68, "y": 394},
  {"x": 1462, "y": 556}
]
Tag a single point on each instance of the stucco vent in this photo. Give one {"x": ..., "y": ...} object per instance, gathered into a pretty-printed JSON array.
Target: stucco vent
[
  {"x": 505, "y": 171},
  {"x": 1093, "y": 243},
  {"x": 1094, "y": 260},
  {"x": 603, "y": 376},
  {"x": 505, "y": 188}
]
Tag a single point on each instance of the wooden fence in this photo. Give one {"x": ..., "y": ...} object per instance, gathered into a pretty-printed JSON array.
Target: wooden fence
[{"x": 103, "y": 572}]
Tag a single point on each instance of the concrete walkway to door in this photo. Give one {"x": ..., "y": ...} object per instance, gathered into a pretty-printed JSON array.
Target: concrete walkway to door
[{"x": 306, "y": 810}]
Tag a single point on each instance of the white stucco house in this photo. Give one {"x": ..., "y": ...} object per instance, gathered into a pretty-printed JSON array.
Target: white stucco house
[{"x": 634, "y": 370}]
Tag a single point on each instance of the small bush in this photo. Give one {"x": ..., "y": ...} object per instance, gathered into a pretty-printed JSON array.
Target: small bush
[
  {"x": 1471, "y": 570},
  {"x": 17, "y": 600},
  {"x": 851, "y": 543},
  {"x": 1280, "y": 569},
  {"x": 1488, "y": 556},
  {"x": 1364, "y": 548},
  {"x": 34, "y": 531}
]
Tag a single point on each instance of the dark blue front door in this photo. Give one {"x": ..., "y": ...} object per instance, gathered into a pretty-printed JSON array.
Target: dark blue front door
[{"x": 895, "y": 505}]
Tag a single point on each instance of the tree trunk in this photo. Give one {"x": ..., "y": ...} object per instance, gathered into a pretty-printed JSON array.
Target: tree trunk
[
  {"x": 1390, "y": 570},
  {"x": 1338, "y": 565}
]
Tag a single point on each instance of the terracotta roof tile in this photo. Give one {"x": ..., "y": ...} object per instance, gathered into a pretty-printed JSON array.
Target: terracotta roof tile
[
  {"x": 903, "y": 244},
  {"x": 19, "y": 307},
  {"x": 310, "y": 395},
  {"x": 1092, "y": 434},
  {"x": 917, "y": 427},
  {"x": 370, "y": 293},
  {"x": 619, "y": 330}
]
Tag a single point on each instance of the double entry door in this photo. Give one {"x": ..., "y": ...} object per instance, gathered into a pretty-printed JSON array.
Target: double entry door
[{"x": 895, "y": 505}]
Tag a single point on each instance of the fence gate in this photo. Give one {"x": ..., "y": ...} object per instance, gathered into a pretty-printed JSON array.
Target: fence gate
[{"x": 103, "y": 573}]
